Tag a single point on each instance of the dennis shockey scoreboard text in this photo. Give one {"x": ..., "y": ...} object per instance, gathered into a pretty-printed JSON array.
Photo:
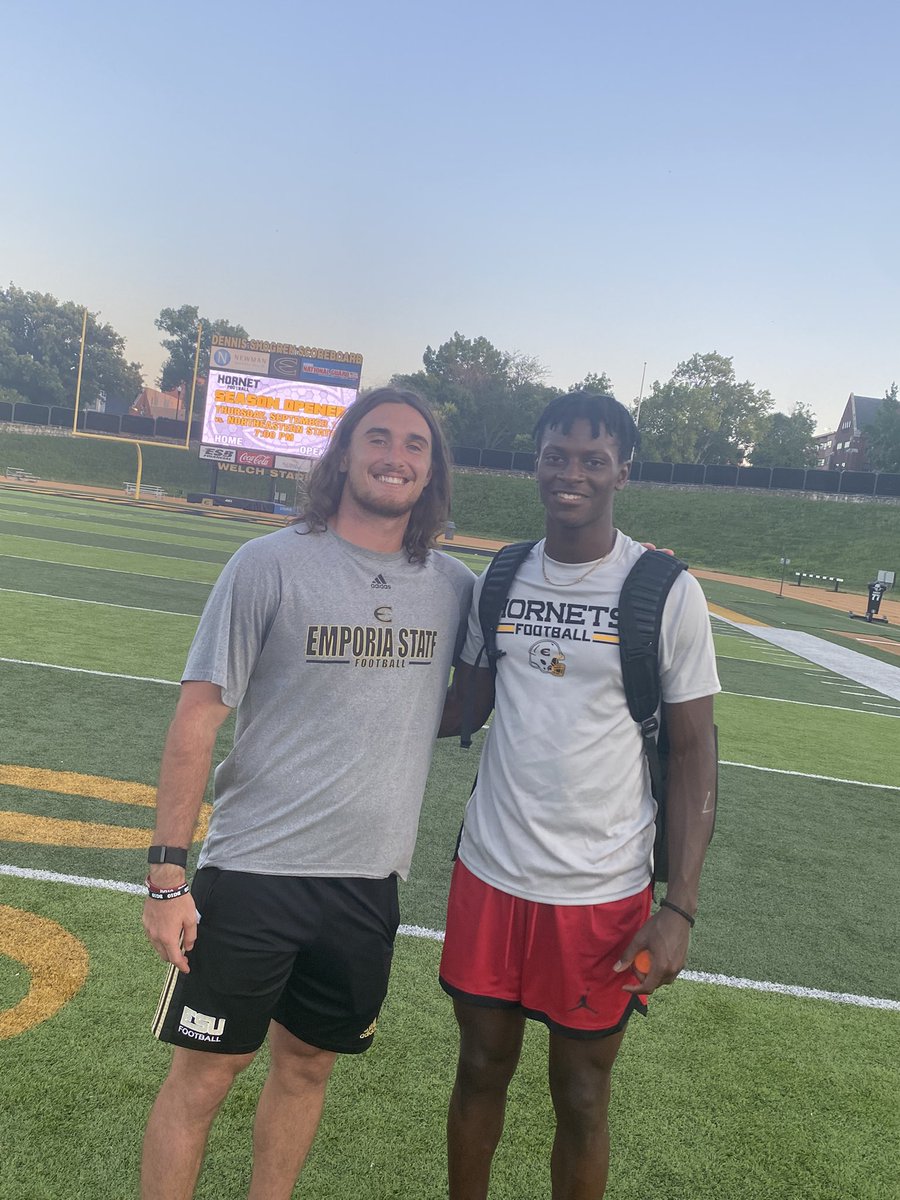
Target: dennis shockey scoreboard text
[{"x": 272, "y": 398}]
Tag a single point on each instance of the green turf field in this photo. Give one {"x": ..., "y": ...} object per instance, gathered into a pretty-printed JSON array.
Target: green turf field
[
  {"x": 783, "y": 1090},
  {"x": 743, "y": 531}
]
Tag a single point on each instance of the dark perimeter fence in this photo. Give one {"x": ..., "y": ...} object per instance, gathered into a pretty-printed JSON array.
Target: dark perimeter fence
[{"x": 795, "y": 479}]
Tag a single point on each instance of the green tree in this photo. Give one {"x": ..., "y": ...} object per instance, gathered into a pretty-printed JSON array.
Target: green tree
[
  {"x": 593, "y": 382},
  {"x": 181, "y": 324},
  {"x": 786, "y": 440},
  {"x": 486, "y": 397},
  {"x": 703, "y": 414},
  {"x": 40, "y": 343},
  {"x": 883, "y": 435}
]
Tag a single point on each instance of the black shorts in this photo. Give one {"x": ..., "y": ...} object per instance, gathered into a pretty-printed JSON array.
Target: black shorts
[{"x": 313, "y": 954}]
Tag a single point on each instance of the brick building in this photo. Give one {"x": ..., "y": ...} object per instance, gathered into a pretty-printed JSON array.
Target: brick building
[{"x": 846, "y": 449}]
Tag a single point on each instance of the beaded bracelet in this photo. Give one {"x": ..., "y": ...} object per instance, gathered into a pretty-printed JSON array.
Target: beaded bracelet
[
  {"x": 158, "y": 893},
  {"x": 674, "y": 907}
]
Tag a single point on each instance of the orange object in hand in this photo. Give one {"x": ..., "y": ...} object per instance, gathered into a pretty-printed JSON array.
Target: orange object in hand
[{"x": 642, "y": 962}]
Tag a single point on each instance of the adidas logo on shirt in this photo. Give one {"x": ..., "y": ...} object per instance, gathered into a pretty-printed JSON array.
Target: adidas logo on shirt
[{"x": 380, "y": 582}]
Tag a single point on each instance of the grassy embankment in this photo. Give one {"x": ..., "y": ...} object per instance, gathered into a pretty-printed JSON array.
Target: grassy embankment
[
  {"x": 738, "y": 531},
  {"x": 101, "y": 463}
]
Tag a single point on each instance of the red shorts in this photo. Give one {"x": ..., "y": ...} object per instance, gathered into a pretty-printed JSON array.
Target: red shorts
[{"x": 553, "y": 961}]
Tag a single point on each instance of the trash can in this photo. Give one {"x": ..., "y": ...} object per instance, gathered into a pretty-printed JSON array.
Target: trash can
[{"x": 449, "y": 531}]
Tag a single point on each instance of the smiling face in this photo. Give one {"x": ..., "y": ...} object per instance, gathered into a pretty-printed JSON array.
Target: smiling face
[
  {"x": 578, "y": 476},
  {"x": 388, "y": 461}
]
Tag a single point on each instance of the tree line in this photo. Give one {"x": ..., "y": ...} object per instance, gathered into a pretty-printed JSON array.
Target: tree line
[{"x": 487, "y": 397}]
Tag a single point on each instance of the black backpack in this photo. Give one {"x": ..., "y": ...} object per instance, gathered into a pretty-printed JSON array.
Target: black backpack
[{"x": 641, "y": 605}]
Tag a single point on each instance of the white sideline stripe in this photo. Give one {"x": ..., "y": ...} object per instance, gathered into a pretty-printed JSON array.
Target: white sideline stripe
[
  {"x": 790, "y": 989},
  {"x": 766, "y": 662},
  {"x": 23, "y": 662},
  {"x": 26, "y": 662},
  {"x": 28, "y": 537},
  {"x": 886, "y": 787},
  {"x": 165, "y": 612},
  {"x": 811, "y": 704},
  {"x": 55, "y": 562},
  {"x": 437, "y": 935},
  {"x": 109, "y": 885},
  {"x": 420, "y": 931}
]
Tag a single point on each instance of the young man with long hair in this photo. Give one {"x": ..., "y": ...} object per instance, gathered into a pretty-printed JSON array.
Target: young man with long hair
[
  {"x": 333, "y": 638},
  {"x": 550, "y": 899}
]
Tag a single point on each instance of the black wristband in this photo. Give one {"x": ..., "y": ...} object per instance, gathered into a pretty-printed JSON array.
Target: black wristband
[
  {"x": 156, "y": 893},
  {"x": 175, "y": 855},
  {"x": 674, "y": 907}
]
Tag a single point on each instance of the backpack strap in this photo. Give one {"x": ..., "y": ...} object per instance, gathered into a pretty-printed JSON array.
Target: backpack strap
[
  {"x": 641, "y": 604},
  {"x": 498, "y": 579}
]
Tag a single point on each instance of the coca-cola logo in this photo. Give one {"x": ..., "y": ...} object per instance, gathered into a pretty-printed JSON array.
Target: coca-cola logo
[{"x": 251, "y": 459}]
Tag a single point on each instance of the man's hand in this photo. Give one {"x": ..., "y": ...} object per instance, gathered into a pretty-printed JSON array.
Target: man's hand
[
  {"x": 665, "y": 937},
  {"x": 171, "y": 926},
  {"x": 482, "y": 685}
]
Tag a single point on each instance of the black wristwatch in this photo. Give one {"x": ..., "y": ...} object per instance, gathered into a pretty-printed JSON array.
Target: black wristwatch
[{"x": 168, "y": 854}]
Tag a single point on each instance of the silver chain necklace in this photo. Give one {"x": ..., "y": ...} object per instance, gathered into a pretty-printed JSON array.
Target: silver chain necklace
[{"x": 571, "y": 582}]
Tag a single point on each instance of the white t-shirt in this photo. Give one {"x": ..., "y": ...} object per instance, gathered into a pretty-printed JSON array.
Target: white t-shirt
[{"x": 562, "y": 812}]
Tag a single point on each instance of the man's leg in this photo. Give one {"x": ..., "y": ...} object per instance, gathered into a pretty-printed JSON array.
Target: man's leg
[
  {"x": 490, "y": 1041},
  {"x": 288, "y": 1113},
  {"x": 580, "y": 1073},
  {"x": 180, "y": 1121}
]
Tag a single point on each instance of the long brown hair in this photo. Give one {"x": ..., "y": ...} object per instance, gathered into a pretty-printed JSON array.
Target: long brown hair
[{"x": 429, "y": 515}]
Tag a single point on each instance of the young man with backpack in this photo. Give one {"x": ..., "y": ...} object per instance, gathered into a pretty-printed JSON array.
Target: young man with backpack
[{"x": 551, "y": 895}]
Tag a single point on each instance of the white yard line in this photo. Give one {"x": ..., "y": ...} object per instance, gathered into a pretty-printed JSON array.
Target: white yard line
[
  {"x": 886, "y": 787},
  {"x": 56, "y": 562},
  {"x": 28, "y": 537},
  {"x": 437, "y": 935},
  {"x": 165, "y": 612},
  {"x": 767, "y": 662},
  {"x": 807, "y": 703},
  {"x": 26, "y": 662}
]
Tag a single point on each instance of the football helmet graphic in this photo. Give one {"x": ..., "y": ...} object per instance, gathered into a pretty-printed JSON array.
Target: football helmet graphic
[{"x": 547, "y": 658}]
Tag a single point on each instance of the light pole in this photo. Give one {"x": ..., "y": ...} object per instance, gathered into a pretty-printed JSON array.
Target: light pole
[{"x": 637, "y": 415}]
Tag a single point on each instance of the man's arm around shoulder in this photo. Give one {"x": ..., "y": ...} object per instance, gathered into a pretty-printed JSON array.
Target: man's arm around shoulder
[
  {"x": 465, "y": 678},
  {"x": 171, "y": 925},
  {"x": 690, "y": 813}
]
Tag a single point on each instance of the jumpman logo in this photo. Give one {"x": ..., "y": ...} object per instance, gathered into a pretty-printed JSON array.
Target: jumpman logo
[{"x": 582, "y": 1003}]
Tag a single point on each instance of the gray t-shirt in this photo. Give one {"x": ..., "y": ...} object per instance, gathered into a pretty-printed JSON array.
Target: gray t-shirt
[{"x": 337, "y": 659}]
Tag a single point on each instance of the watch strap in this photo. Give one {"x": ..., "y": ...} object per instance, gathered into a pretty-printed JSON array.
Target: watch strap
[{"x": 176, "y": 855}]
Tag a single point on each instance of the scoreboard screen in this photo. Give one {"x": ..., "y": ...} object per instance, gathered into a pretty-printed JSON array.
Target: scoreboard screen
[{"x": 265, "y": 399}]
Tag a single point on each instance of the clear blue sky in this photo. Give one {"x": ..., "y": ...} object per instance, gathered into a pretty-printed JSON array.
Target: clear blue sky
[{"x": 599, "y": 185}]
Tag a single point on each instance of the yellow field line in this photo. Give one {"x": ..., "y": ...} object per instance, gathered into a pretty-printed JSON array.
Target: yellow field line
[{"x": 730, "y": 615}]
